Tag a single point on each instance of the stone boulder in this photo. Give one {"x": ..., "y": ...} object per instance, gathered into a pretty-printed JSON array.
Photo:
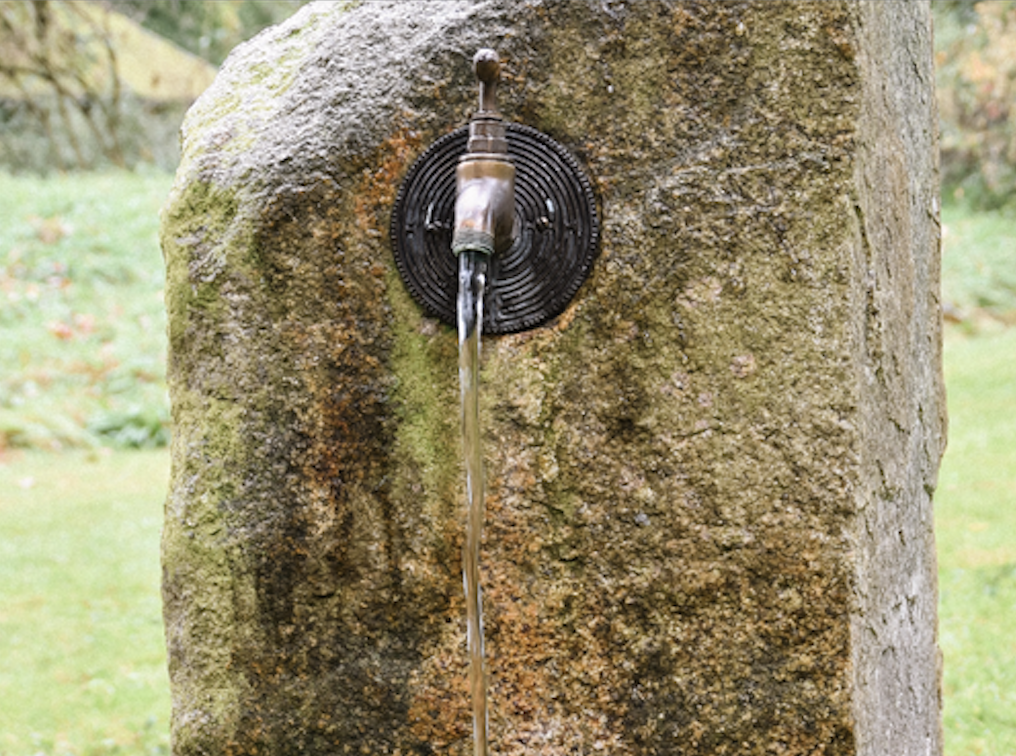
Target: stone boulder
[{"x": 709, "y": 507}]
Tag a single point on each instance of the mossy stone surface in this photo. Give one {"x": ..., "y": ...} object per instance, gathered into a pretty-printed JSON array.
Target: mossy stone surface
[{"x": 709, "y": 481}]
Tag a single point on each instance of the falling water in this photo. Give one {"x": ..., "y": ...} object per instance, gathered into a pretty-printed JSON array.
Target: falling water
[{"x": 472, "y": 278}]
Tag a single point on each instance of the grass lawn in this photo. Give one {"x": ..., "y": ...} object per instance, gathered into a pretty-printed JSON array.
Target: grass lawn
[
  {"x": 978, "y": 266},
  {"x": 82, "y": 366},
  {"x": 82, "y": 358},
  {"x": 83, "y": 662},
  {"x": 975, "y": 519}
]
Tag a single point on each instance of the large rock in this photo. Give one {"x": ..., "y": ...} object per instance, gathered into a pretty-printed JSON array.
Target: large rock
[{"x": 709, "y": 522}]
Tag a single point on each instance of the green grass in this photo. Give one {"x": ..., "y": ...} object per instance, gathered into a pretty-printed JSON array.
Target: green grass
[
  {"x": 83, "y": 662},
  {"x": 978, "y": 266},
  {"x": 975, "y": 506},
  {"x": 82, "y": 355},
  {"x": 976, "y": 533}
]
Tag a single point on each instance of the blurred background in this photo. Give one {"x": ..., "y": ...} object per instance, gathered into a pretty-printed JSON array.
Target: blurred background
[{"x": 91, "y": 99}]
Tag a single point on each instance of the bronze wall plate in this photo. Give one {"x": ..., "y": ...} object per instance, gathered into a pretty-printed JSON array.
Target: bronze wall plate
[{"x": 556, "y": 236}]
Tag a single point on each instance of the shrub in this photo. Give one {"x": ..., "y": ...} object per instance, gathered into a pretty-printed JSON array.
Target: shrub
[{"x": 976, "y": 81}]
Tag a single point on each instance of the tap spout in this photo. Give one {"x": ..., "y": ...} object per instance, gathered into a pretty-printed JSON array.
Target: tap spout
[
  {"x": 484, "y": 206},
  {"x": 485, "y": 176}
]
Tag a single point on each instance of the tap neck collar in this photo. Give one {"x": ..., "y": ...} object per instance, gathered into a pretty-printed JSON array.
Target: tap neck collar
[{"x": 487, "y": 134}]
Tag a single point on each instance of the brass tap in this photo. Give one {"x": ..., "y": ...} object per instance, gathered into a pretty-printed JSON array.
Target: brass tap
[{"x": 485, "y": 176}]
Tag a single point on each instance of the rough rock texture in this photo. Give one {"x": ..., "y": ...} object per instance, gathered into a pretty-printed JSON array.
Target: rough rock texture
[{"x": 709, "y": 482}]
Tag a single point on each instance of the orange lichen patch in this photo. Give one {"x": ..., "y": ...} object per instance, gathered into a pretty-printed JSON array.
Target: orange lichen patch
[
  {"x": 546, "y": 649},
  {"x": 439, "y": 712},
  {"x": 842, "y": 41},
  {"x": 376, "y": 193},
  {"x": 565, "y": 318},
  {"x": 536, "y": 677}
]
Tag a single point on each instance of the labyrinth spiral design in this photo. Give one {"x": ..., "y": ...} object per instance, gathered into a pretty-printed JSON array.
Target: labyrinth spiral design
[{"x": 557, "y": 232}]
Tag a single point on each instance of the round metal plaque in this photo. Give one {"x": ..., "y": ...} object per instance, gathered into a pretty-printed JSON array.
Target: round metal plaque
[{"x": 556, "y": 232}]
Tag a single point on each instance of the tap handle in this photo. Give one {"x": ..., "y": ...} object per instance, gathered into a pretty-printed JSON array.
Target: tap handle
[{"x": 488, "y": 71}]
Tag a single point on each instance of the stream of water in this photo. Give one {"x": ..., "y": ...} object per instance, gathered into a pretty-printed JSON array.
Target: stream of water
[{"x": 472, "y": 279}]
